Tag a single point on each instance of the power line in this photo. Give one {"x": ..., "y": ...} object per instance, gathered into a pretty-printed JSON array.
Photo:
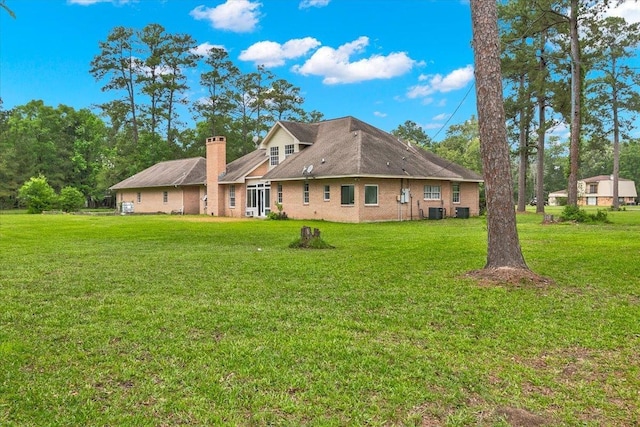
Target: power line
[{"x": 456, "y": 110}]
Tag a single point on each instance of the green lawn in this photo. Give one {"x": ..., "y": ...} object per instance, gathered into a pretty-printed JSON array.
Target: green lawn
[{"x": 169, "y": 320}]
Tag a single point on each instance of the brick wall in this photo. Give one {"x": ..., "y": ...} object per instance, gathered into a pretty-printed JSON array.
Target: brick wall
[{"x": 387, "y": 209}]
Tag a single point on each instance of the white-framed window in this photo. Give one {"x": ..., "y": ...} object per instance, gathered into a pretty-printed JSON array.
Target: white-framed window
[
  {"x": 279, "y": 193},
  {"x": 139, "y": 197},
  {"x": 593, "y": 188},
  {"x": 305, "y": 193},
  {"x": 232, "y": 196},
  {"x": 455, "y": 192},
  {"x": 165, "y": 197},
  {"x": 327, "y": 193},
  {"x": 274, "y": 156},
  {"x": 371, "y": 195},
  {"x": 288, "y": 150},
  {"x": 432, "y": 192},
  {"x": 347, "y": 195}
]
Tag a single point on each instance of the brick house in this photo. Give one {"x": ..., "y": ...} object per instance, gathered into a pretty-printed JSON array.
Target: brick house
[
  {"x": 598, "y": 191},
  {"x": 336, "y": 170}
]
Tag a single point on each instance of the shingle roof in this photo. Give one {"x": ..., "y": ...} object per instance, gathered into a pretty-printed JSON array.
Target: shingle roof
[
  {"x": 191, "y": 171},
  {"x": 602, "y": 178},
  {"x": 351, "y": 147},
  {"x": 239, "y": 168}
]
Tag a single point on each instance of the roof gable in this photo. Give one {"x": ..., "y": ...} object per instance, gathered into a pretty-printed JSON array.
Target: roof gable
[{"x": 351, "y": 147}]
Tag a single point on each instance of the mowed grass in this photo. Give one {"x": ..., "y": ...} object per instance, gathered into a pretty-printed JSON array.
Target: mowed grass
[{"x": 169, "y": 320}]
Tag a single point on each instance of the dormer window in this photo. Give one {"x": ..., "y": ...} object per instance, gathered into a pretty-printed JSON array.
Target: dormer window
[
  {"x": 288, "y": 150},
  {"x": 274, "y": 156}
]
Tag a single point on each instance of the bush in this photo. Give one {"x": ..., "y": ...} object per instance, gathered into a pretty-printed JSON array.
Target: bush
[
  {"x": 277, "y": 215},
  {"x": 71, "y": 199},
  {"x": 574, "y": 213},
  {"x": 37, "y": 195}
]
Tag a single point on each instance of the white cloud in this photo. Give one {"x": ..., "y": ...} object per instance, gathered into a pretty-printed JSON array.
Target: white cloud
[
  {"x": 379, "y": 114},
  {"x": 272, "y": 54},
  {"x": 204, "y": 48},
  {"x": 457, "y": 79},
  {"x": 305, "y": 4},
  {"x": 431, "y": 126},
  {"x": 629, "y": 10},
  {"x": 240, "y": 16},
  {"x": 336, "y": 67},
  {"x": 441, "y": 117}
]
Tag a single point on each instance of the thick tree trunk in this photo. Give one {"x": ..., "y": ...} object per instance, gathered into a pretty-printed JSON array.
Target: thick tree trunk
[
  {"x": 523, "y": 154},
  {"x": 616, "y": 149},
  {"x": 576, "y": 91},
  {"x": 542, "y": 129},
  {"x": 542, "y": 126},
  {"x": 503, "y": 242}
]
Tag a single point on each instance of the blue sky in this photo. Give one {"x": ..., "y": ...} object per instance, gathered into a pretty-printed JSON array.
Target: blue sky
[{"x": 382, "y": 61}]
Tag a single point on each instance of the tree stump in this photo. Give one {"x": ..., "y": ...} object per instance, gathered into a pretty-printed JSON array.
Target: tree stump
[{"x": 306, "y": 235}]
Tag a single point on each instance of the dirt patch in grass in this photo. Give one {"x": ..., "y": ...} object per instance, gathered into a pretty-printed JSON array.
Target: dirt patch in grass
[
  {"x": 509, "y": 276},
  {"x": 521, "y": 418}
]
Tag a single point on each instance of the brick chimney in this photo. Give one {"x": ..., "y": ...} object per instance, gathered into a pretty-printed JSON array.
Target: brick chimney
[{"x": 216, "y": 164}]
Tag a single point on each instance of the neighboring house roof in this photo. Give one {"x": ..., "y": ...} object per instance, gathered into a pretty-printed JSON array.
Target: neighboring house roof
[
  {"x": 602, "y": 178},
  {"x": 349, "y": 147},
  {"x": 240, "y": 168},
  {"x": 171, "y": 173}
]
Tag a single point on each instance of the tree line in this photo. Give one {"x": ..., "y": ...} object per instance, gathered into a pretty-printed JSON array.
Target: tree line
[
  {"x": 146, "y": 72},
  {"x": 567, "y": 62}
]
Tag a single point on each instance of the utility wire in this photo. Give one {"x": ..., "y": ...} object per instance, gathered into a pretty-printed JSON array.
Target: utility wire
[{"x": 456, "y": 110}]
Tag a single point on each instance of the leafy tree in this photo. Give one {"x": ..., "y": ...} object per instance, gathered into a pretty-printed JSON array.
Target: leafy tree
[
  {"x": 71, "y": 199},
  {"x": 612, "y": 42},
  {"x": 461, "y": 145},
  {"x": 218, "y": 82},
  {"x": 409, "y": 131},
  {"x": 153, "y": 44},
  {"x": 518, "y": 69},
  {"x": 116, "y": 63},
  {"x": 313, "y": 116},
  {"x": 37, "y": 195},
  {"x": 178, "y": 59},
  {"x": 630, "y": 161},
  {"x": 503, "y": 242}
]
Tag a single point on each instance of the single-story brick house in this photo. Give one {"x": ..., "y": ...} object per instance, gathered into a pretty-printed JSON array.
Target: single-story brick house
[{"x": 337, "y": 170}]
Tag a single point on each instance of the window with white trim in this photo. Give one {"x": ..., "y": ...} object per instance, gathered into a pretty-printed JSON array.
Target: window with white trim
[
  {"x": 432, "y": 192},
  {"x": 305, "y": 193},
  {"x": 288, "y": 150},
  {"x": 274, "y": 156},
  {"x": 371, "y": 195},
  {"x": 327, "y": 193},
  {"x": 232, "y": 196},
  {"x": 347, "y": 195},
  {"x": 455, "y": 192},
  {"x": 279, "y": 193}
]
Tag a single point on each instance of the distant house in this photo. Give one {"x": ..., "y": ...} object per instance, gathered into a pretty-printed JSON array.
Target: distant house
[
  {"x": 598, "y": 191},
  {"x": 555, "y": 197},
  {"x": 337, "y": 170}
]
